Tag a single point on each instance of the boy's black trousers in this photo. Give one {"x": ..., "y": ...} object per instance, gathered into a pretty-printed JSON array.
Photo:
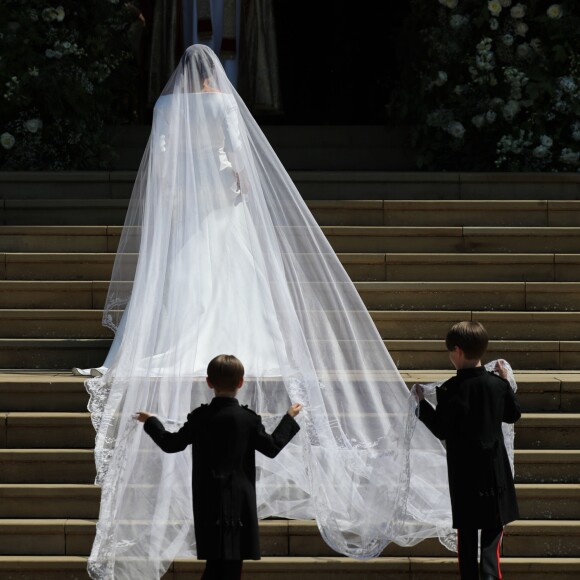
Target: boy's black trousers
[
  {"x": 222, "y": 570},
  {"x": 489, "y": 566}
]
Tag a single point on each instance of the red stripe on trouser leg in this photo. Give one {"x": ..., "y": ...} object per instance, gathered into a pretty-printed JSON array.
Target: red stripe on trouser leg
[{"x": 498, "y": 556}]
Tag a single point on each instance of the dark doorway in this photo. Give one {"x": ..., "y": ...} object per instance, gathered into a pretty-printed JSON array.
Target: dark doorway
[{"x": 337, "y": 59}]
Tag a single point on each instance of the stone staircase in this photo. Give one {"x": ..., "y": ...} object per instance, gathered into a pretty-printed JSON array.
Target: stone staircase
[{"x": 424, "y": 250}]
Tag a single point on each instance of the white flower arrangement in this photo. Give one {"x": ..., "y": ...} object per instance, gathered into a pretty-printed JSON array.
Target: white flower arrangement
[
  {"x": 456, "y": 129},
  {"x": 510, "y": 97},
  {"x": 555, "y": 12},
  {"x": 570, "y": 157},
  {"x": 57, "y": 57},
  {"x": 522, "y": 28},
  {"x": 33, "y": 125},
  {"x": 495, "y": 7},
  {"x": 7, "y": 140},
  {"x": 518, "y": 11}
]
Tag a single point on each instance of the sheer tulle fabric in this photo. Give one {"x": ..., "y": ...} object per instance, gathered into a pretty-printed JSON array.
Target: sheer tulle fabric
[{"x": 219, "y": 254}]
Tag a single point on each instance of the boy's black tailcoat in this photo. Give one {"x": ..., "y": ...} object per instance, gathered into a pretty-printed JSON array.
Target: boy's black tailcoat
[
  {"x": 470, "y": 410},
  {"x": 224, "y": 438}
]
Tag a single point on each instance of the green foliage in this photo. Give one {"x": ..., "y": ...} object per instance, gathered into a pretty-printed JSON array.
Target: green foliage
[
  {"x": 64, "y": 69},
  {"x": 492, "y": 84}
]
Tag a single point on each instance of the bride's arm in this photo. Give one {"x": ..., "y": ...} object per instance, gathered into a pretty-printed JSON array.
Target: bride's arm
[{"x": 234, "y": 145}]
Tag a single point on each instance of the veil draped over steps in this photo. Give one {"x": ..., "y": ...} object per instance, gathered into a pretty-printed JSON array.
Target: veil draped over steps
[{"x": 219, "y": 254}]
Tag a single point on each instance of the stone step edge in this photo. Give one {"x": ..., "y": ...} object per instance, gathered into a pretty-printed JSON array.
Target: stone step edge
[
  {"x": 377, "y": 286},
  {"x": 323, "y": 564},
  {"x": 20, "y": 489},
  {"x": 409, "y": 344},
  {"x": 35, "y": 454},
  {"x": 64, "y": 377},
  {"x": 383, "y": 231},
  {"x": 388, "y": 176},
  {"x": 372, "y": 258},
  {"x": 275, "y": 525},
  {"x": 444, "y": 205},
  {"x": 570, "y": 418},
  {"x": 431, "y": 315}
]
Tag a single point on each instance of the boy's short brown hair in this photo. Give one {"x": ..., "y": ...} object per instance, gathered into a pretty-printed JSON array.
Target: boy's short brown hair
[
  {"x": 471, "y": 337},
  {"x": 225, "y": 372}
]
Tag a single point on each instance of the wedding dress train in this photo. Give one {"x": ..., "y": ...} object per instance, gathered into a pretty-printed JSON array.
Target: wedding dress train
[{"x": 219, "y": 254}]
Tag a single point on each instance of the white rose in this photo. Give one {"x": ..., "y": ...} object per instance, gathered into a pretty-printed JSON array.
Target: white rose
[
  {"x": 511, "y": 109},
  {"x": 555, "y": 12},
  {"x": 491, "y": 116},
  {"x": 441, "y": 78},
  {"x": 7, "y": 140},
  {"x": 505, "y": 3},
  {"x": 456, "y": 129},
  {"x": 48, "y": 14},
  {"x": 546, "y": 141},
  {"x": 457, "y": 21},
  {"x": 507, "y": 39},
  {"x": 523, "y": 50},
  {"x": 59, "y": 13},
  {"x": 540, "y": 152},
  {"x": 567, "y": 83},
  {"x": 518, "y": 11},
  {"x": 478, "y": 121},
  {"x": 494, "y": 24},
  {"x": 536, "y": 44},
  {"x": 569, "y": 156},
  {"x": 521, "y": 28},
  {"x": 494, "y": 6},
  {"x": 33, "y": 125}
]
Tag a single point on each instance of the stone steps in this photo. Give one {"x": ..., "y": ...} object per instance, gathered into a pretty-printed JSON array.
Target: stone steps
[
  {"x": 307, "y": 568},
  {"x": 452, "y": 239},
  {"x": 501, "y": 325},
  {"x": 77, "y": 465},
  {"x": 318, "y": 185},
  {"x": 294, "y": 538},
  {"x": 43, "y": 391},
  {"x": 27, "y": 430},
  {"x": 58, "y": 466},
  {"x": 446, "y": 213},
  {"x": 359, "y": 266},
  {"x": 425, "y": 251},
  {"x": 392, "y": 324},
  {"x": 560, "y": 501},
  {"x": 344, "y": 239},
  {"x": 372, "y": 212},
  {"x": 65, "y": 353},
  {"x": 452, "y": 296}
]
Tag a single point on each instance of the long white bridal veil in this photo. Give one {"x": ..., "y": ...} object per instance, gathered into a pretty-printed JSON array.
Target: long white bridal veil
[{"x": 219, "y": 254}]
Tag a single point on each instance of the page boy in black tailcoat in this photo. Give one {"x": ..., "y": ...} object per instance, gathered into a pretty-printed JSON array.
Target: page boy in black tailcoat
[
  {"x": 224, "y": 436},
  {"x": 470, "y": 410}
]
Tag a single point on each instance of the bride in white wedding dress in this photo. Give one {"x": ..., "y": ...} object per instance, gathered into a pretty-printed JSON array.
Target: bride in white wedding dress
[{"x": 219, "y": 254}]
